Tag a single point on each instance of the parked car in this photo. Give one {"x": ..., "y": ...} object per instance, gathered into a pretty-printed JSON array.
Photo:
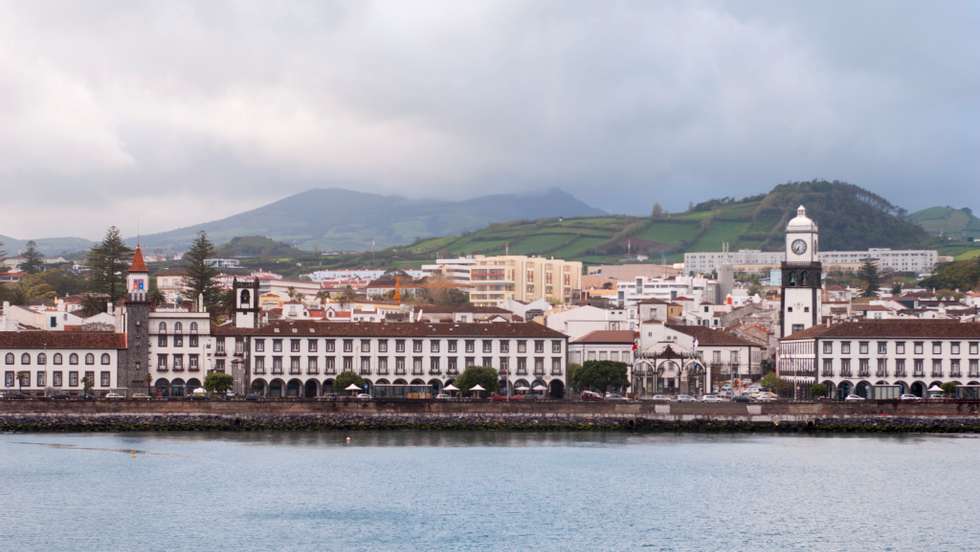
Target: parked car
[
  {"x": 909, "y": 397},
  {"x": 685, "y": 398},
  {"x": 442, "y": 396},
  {"x": 112, "y": 395},
  {"x": 765, "y": 396},
  {"x": 328, "y": 397},
  {"x": 140, "y": 396},
  {"x": 853, "y": 397},
  {"x": 712, "y": 398},
  {"x": 615, "y": 397},
  {"x": 742, "y": 398},
  {"x": 58, "y": 396},
  {"x": 591, "y": 396},
  {"x": 363, "y": 396},
  {"x": 253, "y": 397},
  {"x": 660, "y": 398}
]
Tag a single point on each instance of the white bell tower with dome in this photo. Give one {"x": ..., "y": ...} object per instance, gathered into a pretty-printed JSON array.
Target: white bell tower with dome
[{"x": 801, "y": 276}]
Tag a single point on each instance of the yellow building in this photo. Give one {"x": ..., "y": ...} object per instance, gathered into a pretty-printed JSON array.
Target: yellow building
[{"x": 522, "y": 278}]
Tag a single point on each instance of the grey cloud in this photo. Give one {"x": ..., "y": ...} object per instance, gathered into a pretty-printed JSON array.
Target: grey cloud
[{"x": 178, "y": 112}]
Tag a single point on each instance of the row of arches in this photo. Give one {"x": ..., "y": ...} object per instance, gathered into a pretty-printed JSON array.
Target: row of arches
[
  {"x": 176, "y": 387},
  {"x": 669, "y": 377},
  {"x": 312, "y": 388},
  {"x": 57, "y": 358},
  {"x": 862, "y": 388}
]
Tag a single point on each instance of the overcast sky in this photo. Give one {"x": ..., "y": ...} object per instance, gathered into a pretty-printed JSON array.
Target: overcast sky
[{"x": 169, "y": 113}]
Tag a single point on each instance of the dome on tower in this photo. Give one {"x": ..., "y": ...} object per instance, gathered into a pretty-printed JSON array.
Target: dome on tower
[{"x": 801, "y": 222}]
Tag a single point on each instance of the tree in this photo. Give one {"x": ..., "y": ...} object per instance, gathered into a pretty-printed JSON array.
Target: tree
[
  {"x": 570, "y": 372},
  {"x": 200, "y": 275},
  {"x": 348, "y": 296},
  {"x": 658, "y": 211},
  {"x": 869, "y": 275},
  {"x": 87, "y": 385},
  {"x": 896, "y": 289},
  {"x": 345, "y": 379},
  {"x": 93, "y": 304},
  {"x": 33, "y": 260},
  {"x": 818, "y": 390},
  {"x": 218, "y": 382},
  {"x": 601, "y": 375},
  {"x": 154, "y": 295},
  {"x": 484, "y": 376},
  {"x": 949, "y": 389},
  {"x": 33, "y": 288},
  {"x": 108, "y": 261}
]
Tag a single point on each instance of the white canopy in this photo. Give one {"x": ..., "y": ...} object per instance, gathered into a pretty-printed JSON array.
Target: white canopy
[
  {"x": 935, "y": 388},
  {"x": 353, "y": 387},
  {"x": 522, "y": 388},
  {"x": 539, "y": 387},
  {"x": 200, "y": 391},
  {"x": 450, "y": 387},
  {"x": 477, "y": 387}
]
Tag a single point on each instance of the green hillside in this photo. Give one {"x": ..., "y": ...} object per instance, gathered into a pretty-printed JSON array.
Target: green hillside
[
  {"x": 948, "y": 222},
  {"x": 849, "y": 218}
]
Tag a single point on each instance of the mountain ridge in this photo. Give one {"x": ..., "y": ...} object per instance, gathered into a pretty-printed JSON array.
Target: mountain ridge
[{"x": 343, "y": 219}]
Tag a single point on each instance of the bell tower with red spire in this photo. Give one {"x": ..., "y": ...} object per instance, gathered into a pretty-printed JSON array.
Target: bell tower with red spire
[{"x": 134, "y": 363}]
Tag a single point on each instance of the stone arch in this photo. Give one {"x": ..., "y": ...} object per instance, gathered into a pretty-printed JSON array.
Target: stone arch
[
  {"x": 918, "y": 389},
  {"x": 327, "y": 386},
  {"x": 863, "y": 389},
  {"x": 556, "y": 389},
  {"x": 522, "y": 383},
  {"x": 162, "y": 387},
  {"x": 382, "y": 381},
  {"x": 903, "y": 387},
  {"x": 829, "y": 384},
  {"x": 259, "y": 387},
  {"x": 400, "y": 381},
  {"x": 192, "y": 384},
  {"x": 311, "y": 389},
  {"x": 418, "y": 381},
  {"x": 277, "y": 388},
  {"x": 844, "y": 389},
  {"x": 436, "y": 385},
  {"x": 695, "y": 376},
  {"x": 177, "y": 388},
  {"x": 294, "y": 388}
]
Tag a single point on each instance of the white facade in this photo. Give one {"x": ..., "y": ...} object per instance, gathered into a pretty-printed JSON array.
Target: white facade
[
  {"x": 630, "y": 292},
  {"x": 899, "y": 260},
  {"x": 579, "y": 321},
  {"x": 913, "y": 354},
  {"x": 59, "y": 362},
  {"x": 303, "y": 358}
]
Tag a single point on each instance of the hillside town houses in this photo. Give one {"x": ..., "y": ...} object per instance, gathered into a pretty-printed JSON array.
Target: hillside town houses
[{"x": 678, "y": 328}]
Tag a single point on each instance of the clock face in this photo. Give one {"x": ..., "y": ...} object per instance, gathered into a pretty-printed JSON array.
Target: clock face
[{"x": 799, "y": 247}]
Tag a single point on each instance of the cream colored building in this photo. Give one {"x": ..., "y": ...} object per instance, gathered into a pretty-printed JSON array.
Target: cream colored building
[{"x": 494, "y": 280}]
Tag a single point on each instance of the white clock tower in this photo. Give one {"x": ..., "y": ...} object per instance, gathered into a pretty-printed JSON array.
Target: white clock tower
[{"x": 800, "y": 303}]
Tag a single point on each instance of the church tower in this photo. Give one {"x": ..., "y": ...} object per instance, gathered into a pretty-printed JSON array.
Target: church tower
[
  {"x": 246, "y": 303},
  {"x": 801, "y": 276},
  {"x": 134, "y": 363}
]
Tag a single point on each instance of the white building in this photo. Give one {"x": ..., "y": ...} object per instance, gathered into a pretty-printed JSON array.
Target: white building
[
  {"x": 674, "y": 359},
  {"x": 853, "y": 356},
  {"x": 752, "y": 260},
  {"x": 302, "y": 358},
  {"x": 579, "y": 321},
  {"x": 60, "y": 362},
  {"x": 630, "y": 292},
  {"x": 612, "y": 345}
]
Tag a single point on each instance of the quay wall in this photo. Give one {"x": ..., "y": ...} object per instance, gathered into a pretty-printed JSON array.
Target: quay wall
[{"x": 130, "y": 415}]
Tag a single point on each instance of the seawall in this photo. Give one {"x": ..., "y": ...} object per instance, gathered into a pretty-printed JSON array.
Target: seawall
[{"x": 882, "y": 416}]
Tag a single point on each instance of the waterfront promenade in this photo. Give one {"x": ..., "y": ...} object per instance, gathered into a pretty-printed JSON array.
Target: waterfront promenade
[{"x": 121, "y": 415}]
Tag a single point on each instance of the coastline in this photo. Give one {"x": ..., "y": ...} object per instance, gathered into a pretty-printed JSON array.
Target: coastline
[{"x": 789, "y": 417}]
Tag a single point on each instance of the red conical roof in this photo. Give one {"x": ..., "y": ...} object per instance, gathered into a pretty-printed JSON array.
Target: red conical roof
[{"x": 138, "y": 265}]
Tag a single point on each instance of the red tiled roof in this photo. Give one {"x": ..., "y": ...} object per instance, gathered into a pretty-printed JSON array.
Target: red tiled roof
[
  {"x": 138, "y": 265},
  {"x": 62, "y": 340},
  {"x": 924, "y": 329},
  {"x": 608, "y": 336},
  {"x": 517, "y": 330}
]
